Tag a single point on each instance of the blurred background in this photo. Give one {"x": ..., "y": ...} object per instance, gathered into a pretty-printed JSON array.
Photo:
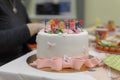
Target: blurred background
[{"x": 88, "y": 10}]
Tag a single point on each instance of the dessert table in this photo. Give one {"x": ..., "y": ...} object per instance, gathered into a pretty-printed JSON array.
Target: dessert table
[{"x": 19, "y": 69}]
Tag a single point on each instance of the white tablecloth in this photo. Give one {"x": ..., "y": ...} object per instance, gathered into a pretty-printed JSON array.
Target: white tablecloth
[{"x": 19, "y": 70}]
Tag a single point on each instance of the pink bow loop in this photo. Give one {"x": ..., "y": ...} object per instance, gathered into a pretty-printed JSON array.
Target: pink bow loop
[
  {"x": 92, "y": 62},
  {"x": 56, "y": 63}
]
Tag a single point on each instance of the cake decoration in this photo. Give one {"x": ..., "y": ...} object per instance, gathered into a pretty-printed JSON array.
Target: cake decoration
[
  {"x": 58, "y": 63},
  {"x": 45, "y": 21},
  {"x": 50, "y": 44},
  {"x": 56, "y": 26}
]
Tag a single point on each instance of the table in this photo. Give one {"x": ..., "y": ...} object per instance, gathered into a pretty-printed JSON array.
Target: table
[{"x": 18, "y": 69}]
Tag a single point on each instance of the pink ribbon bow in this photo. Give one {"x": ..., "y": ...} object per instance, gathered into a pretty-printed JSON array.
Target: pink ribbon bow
[{"x": 57, "y": 63}]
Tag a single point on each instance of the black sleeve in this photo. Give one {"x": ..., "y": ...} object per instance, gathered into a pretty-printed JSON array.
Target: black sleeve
[
  {"x": 12, "y": 37},
  {"x": 32, "y": 40}
]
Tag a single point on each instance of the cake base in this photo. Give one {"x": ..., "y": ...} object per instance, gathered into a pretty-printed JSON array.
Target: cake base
[{"x": 32, "y": 58}]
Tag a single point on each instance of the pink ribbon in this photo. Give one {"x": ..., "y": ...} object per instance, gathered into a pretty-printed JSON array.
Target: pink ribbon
[{"x": 57, "y": 63}]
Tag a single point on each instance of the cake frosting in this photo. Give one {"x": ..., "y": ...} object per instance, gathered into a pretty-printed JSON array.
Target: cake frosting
[{"x": 49, "y": 45}]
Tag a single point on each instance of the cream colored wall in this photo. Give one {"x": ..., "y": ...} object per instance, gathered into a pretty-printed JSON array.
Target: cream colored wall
[{"x": 104, "y": 9}]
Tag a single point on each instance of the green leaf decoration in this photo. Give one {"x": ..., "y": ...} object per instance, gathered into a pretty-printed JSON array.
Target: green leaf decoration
[
  {"x": 113, "y": 61},
  {"x": 58, "y": 31},
  {"x": 50, "y": 32}
]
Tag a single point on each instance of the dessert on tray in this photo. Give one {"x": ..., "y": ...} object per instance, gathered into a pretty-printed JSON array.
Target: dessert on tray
[{"x": 63, "y": 44}]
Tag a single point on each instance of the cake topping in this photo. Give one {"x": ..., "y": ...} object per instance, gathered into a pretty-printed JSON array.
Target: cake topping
[{"x": 56, "y": 26}]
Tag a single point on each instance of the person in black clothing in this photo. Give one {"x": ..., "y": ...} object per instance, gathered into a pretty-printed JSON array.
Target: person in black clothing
[{"x": 16, "y": 30}]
